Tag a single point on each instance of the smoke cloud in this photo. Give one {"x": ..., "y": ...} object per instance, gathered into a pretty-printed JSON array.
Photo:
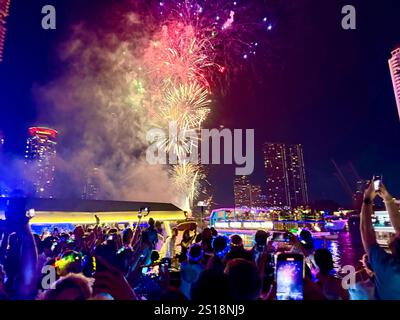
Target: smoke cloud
[{"x": 102, "y": 113}]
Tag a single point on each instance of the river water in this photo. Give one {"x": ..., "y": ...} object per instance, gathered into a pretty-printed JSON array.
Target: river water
[{"x": 346, "y": 250}]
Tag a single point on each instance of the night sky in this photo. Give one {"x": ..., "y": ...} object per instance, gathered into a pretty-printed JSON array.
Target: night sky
[{"x": 319, "y": 85}]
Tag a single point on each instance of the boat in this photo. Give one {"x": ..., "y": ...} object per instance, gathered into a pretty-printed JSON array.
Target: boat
[
  {"x": 245, "y": 222},
  {"x": 335, "y": 223}
]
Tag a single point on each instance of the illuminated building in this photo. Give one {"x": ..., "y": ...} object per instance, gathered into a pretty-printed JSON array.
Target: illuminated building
[
  {"x": 394, "y": 66},
  {"x": 256, "y": 198},
  {"x": 4, "y": 12},
  {"x": 91, "y": 188},
  {"x": 246, "y": 194},
  {"x": 285, "y": 175},
  {"x": 242, "y": 190},
  {"x": 40, "y": 156}
]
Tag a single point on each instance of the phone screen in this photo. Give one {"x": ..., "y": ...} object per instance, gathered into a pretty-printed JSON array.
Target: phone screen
[
  {"x": 289, "y": 277},
  {"x": 377, "y": 182},
  {"x": 280, "y": 237}
]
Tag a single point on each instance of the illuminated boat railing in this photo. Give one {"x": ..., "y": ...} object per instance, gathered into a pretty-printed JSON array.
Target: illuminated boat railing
[{"x": 244, "y": 225}]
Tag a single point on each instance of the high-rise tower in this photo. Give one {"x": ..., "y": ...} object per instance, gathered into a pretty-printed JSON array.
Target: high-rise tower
[{"x": 40, "y": 156}]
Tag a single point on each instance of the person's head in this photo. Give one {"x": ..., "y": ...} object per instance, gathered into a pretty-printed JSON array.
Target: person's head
[
  {"x": 127, "y": 236},
  {"x": 206, "y": 234},
  {"x": 174, "y": 232},
  {"x": 220, "y": 245},
  {"x": 70, "y": 287},
  {"x": 394, "y": 245},
  {"x": 214, "y": 232},
  {"x": 173, "y": 295},
  {"x": 151, "y": 223},
  {"x": 306, "y": 239},
  {"x": 323, "y": 259},
  {"x": 47, "y": 246},
  {"x": 244, "y": 279},
  {"x": 210, "y": 286},
  {"x": 260, "y": 238},
  {"x": 158, "y": 225},
  {"x": 79, "y": 233},
  {"x": 236, "y": 242},
  {"x": 70, "y": 262},
  {"x": 195, "y": 253},
  {"x": 186, "y": 235}
]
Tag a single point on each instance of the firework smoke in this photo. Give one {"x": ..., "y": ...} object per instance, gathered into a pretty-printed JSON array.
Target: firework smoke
[{"x": 153, "y": 66}]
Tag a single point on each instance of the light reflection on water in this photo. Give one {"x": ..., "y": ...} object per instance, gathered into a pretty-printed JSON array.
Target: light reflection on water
[{"x": 346, "y": 250}]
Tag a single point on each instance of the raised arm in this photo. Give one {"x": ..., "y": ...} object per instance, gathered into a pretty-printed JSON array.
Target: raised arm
[
  {"x": 27, "y": 278},
  {"x": 391, "y": 207},
  {"x": 368, "y": 236}
]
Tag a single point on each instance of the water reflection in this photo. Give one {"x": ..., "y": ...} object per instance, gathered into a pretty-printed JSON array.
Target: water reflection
[{"x": 346, "y": 250}]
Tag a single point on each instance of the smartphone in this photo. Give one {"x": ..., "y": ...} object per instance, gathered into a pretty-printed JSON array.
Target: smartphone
[
  {"x": 289, "y": 276},
  {"x": 280, "y": 237},
  {"x": 377, "y": 182}
]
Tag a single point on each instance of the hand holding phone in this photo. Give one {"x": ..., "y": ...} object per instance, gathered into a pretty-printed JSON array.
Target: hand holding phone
[
  {"x": 289, "y": 276},
  {"x": 377, "y": 182}
]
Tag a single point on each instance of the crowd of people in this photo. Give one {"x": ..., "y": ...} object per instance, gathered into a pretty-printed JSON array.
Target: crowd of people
[{"x": 106, "y": 262}]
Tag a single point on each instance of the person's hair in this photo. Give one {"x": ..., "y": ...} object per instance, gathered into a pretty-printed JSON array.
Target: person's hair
[
  {"x": 174, "y": 231},
  {"x": 206, "y": 234},
  {"x": 261, "y": 237},
  {"x": 158, "y": 224},
  {"x": 71, "y": 281},
  {"x": 210, "y": 286},
  {"x": 305, "y": 235},
  {"x": 151, "y": 222},
  {"x": 127, "y": 235},
  {"x": 220, "y": 244},
  {"x": 244, "y": 279},
  {"x": 323, "y": 259},
  {"x": 173, "y": 295},
  {"x": 214, "y": 232},
  {"x": 195, "y": 253},
  {"x": 236, "y": 240}
]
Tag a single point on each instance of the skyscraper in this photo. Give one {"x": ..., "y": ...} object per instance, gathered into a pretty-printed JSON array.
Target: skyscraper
[
  {"x": 247, "y": 194},
  {"x": 91, "y": 188},
  {"x": 4, "y": 12},
  {"x": 394, "y": 66},
  {"x": 285, "y": 175},
  {"x": 40, "y": 156},
  {"x": 242, "y": 190},
  {"x": 256, "y": 196}
]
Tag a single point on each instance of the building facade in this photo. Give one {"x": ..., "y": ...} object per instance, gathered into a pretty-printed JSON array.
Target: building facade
[
  {"x": 247, "y": 194},
  {"x": 4, "y": 12},
  {"x": 242, "y": 190},
  {"x": 91, "y": 189},
  {"x": 40, "y": 157},
  {"x": 394, "y": 66},
  {"x": 285, "y": 175}
]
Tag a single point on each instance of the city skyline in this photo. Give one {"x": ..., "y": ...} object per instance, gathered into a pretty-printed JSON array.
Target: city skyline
[{"x": 324, "y": 107}]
